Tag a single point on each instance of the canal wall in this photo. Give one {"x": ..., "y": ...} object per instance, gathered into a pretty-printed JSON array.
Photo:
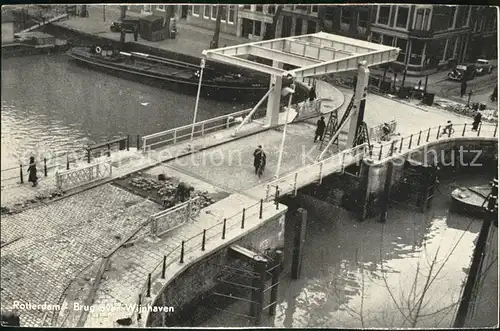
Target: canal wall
[{"x": 196, "y": 283}]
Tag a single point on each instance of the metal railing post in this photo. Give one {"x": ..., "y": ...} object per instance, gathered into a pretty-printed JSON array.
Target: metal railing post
[
  {"x": 401, "y": 145},
  {"x": 21, "y": 173},
  {"x": 449, "y": 133},
  {"x": 380, "y": 152},
  {"x": 276, "y": 198},
  {"x": 268, "y": 188},
  {"x": 88, "y": 155},
  {"x": 164, "y": 267},
  {"x": 419, "y": 135},
  {"x": 428, "y": 135},
  {"x": 495, "y": 132},
  {"x": 182, "y": 252},
  {"x": 45, "y": 166},
  {"x": 128, "y": 142},
  {"x": 409, "y": 144},
  {"x": 138, "y": 143},
  {"x": 175, "y": 136},
  {"x": 243, "y": 219},
  {"x": 203, "y": 241},
  {"x": 109, "y": 150},
  {"x": 392, "y": 148},
  {"x": 224, "y": 229},
  {"x": 479, "y": 129},
  {"x": 463, "y": 132},
  {"x": 148, "y": 293},
  {"x": 261, "y": 208},
  {"x": 295, "y": 184},
  {"x": 439, "y": 130},
  {"x": 67, "y": 161},
  {"x": 202, "y": 129}
]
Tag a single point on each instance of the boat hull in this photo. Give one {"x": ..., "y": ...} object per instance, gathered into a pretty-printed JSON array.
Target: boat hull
[
  {"x": 469, "y": 200},
  {"x": 190, "y": 86}
]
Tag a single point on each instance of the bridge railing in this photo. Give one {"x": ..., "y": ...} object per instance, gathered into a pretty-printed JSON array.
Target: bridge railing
[
  {"x": 180, "y": 254},
  {"x": 81, "y": 176},
  {"x": 315, "y": 172},
  {"x": 169, "y": 219},
  {"x": 421, "y": 138},
  {"x": 201, "y": 128}
]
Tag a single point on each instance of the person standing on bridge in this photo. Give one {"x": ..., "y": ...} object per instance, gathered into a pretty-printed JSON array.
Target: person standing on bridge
[
  {"x": 32, "y": 171},
  {"x": 257, "y": 157},
  {"x": 477, "y": 119},
  {"x": 320, "y": 129}
]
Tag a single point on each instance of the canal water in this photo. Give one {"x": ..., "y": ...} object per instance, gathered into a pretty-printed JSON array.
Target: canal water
[
  {"x": 408, "y": 272},
  {"x": 50, "y": 104}
]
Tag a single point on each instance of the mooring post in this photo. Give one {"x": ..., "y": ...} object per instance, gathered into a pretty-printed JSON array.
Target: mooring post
[
  {"x": 67, "y": 161},
  {"x": 224, "y": 230},
  {"x": 257, "y": 298},
  {"x": 148, "y": 293},
  {"x": 299, "y": 219},
  {"x": 21, "y": 173},
  {"x": 45, "y": 166},
  {"x": 261, "y": 208},
  {"x": 204, "y": 239},
  {"x": 275, "y": 282},
  {"x": 387, "y": 192},
  {"x": 128, "y": 142}
]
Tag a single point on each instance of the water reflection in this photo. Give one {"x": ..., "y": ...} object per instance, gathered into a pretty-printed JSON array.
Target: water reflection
[
  {"x": 49, "y": 103},
  {"x": 406, "y": 273}
]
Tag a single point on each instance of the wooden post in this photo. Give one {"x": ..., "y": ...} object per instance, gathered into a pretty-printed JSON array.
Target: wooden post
[{"x": 299, "y": 220}]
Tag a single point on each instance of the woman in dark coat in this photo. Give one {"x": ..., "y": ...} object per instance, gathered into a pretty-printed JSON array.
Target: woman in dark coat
[
  {"x": 32, "y": 172},
  {"x": 257, "y": 155}
]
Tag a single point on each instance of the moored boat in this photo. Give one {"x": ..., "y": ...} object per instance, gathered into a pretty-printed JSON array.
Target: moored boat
[
  {"x": 170, "y": 73},
  {"x": 470, "y": 199}
]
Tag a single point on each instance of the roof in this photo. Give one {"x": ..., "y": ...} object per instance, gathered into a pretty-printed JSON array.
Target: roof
[
  {"x": 313, "y": 54},
  {"x": 151, "y": 18}
]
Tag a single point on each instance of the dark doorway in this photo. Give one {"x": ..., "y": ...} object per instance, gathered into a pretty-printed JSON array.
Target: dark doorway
[
  {"x": 184, "y": 11},
  {"x": 311, "y": 27},
  {"x": 286, "y": 29},
  {"x": 298, "y": 27},
  {"x": 246, "y": 28}
]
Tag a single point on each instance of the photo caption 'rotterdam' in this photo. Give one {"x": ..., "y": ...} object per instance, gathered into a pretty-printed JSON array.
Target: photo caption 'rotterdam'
[{"x": 92, "y": 308}]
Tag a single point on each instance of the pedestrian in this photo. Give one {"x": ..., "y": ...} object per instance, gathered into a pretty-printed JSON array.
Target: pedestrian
[
  {"x": 257, "y": 156},
  {"x": 320, "y": 129},
  {"x": 448, "y": 128},
  {"x": 312, "y": 93},
  {"x": 32, "y": 171},
  {"x": 262, "y": 163},
  {"x": 183, "y": 191},
  {"x": 477, "y": 119}
]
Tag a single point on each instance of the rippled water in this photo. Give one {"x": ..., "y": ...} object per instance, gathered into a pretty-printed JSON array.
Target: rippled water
[
  {"x": 51, "y": 104},
  {"x": 408, "y": 272}
]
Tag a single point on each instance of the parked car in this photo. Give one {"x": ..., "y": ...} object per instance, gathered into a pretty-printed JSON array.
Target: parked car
[
  {"x": 457, "y": 74},
  {"x": 128, "y": 24},
  {"x": 483, "y": 67}
]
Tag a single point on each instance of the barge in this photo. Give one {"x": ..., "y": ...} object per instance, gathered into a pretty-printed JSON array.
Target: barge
[{"x": 168, "y": 73}]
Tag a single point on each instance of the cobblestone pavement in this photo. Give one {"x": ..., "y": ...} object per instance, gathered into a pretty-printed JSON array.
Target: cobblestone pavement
[{"x": 58, "y": 240}]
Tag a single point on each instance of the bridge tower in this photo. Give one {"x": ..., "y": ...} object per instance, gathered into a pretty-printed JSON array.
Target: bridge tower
[{"x": 358, "y": 107}]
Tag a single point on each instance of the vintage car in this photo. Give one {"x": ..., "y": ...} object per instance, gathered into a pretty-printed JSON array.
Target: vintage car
[
  {"x": 483, "y": 67},
  {"x": 128, "y": 24},
  {"x": 458, "y": 73}
]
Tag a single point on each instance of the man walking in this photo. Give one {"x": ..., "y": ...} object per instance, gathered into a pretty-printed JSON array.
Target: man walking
[
  {"x": 320, "y": 129},
  {"x": 477, "y": 120},
  {"x": 257, "y": 156}
]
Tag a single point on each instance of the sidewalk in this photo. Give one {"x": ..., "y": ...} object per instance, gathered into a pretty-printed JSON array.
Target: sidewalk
[{"x": 191, "y": 40}]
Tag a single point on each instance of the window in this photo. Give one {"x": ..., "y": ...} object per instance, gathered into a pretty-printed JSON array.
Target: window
[
  {"x": 271, "y": 9},
  {"x": 257, "y": 28},
  {"x": 311, "y": 27},
  {"x": 301, "y": 7},
  {"x": 462, "y": 14},
  {"x": 223, "y": 14},
  {"x": 214, "y": 11},
  {"x": 329, "y": 13},
  {"x": 230, "y": 19},
  {"x": 196, "y": 10},
  {"x": 376, "y": 37},
  {"x": 451, "y": 17},
  {"x": 206, "y": 12},
  {"x": 314, "y": 9},
  {"x": 160, "y": 7},
  {"x": 247, "y": 7},
  {"x": 388, "y": 40},
  {"x": 259, "y": 8},
  {"x": 422, "y": 19},
  {"x": 402, "y": 17},
  {"x": 383, "y": 15},
  {"x": 345, "y": 14},
  {"x": 417, "y": 48},
  {"x": 363, "y": 17},
  {"x": 401, "y": 44}
]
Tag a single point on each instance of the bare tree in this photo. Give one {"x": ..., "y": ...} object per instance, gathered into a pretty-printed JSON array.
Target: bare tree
[
  {"x": 215, "y": 41},
  {"x": 271, "y": 32}
]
